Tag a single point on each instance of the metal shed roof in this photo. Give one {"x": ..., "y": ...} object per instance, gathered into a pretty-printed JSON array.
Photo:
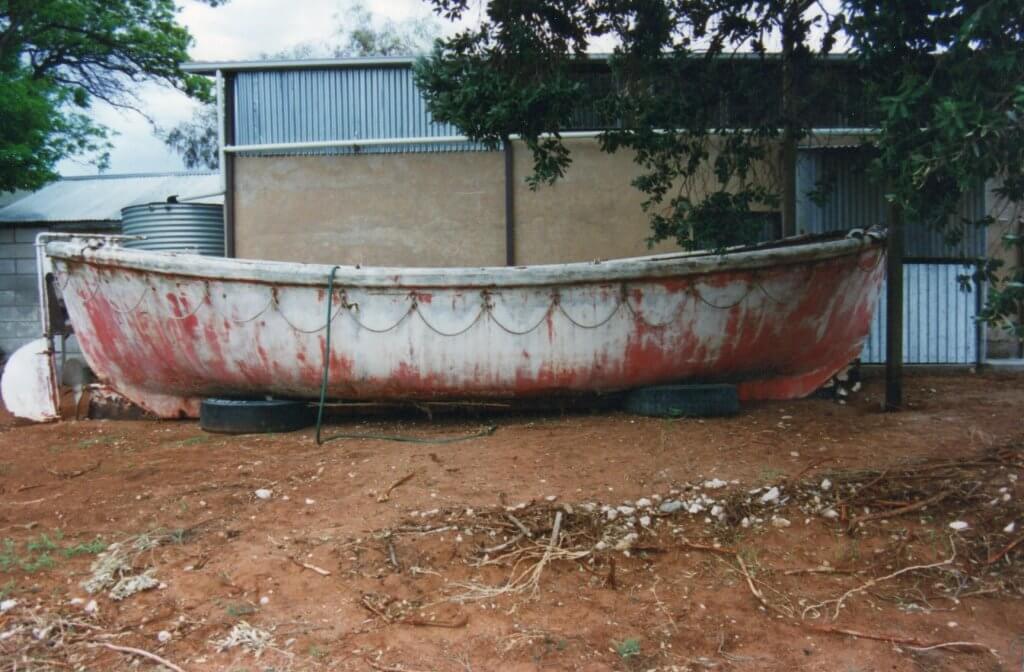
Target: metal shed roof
[{"x": 100, "y": 198}]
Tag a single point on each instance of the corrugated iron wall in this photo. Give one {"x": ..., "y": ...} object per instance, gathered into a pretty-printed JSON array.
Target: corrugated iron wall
[
  {"x": 279, "y": 106},
  {"x": 938, "y": 318},
  {"x": 854, "y": 200}
]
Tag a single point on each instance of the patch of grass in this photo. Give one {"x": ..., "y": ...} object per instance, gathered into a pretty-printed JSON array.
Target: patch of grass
[
  {"x": 94, "y": 441},
  {"x": 771, "y": 475},
  {"x": 316, "y": 652},
  {"x": 8, "y": 589},
  {"x": 42, "y": 552},
  {"x": 239, "y": 610},
  {"x": 194, "y": 440},
  {"x": 93, "y": 547},
  {"x": 628, "y": 648}
]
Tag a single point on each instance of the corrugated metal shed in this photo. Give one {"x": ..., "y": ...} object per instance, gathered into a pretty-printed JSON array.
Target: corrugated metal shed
[
  {"x": 100, "y": 198},
  {"x": 938, "y": 318},
  {"x": 279, "y": 106},
  {"x": 853, "y": 200}
]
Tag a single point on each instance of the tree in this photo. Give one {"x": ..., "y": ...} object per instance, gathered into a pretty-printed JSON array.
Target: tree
[
  {"x": 702, "y": 147},
  {"x": 58, "y": 56},
  {"x": 358, "y": 33},
  {"x": 949, "y": 78}
]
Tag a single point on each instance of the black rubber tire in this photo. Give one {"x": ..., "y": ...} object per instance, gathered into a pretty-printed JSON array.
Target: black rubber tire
[
  {"x": 684, "y": 401},
  {"x": 254, "y": 416}
]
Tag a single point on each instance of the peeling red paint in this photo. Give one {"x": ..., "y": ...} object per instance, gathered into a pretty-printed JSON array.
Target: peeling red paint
[{"x": 778, "y": 332}]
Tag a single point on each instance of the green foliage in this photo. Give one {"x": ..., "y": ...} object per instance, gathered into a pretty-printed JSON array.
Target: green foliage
[
  {"x": 628, "y": 648},
  {"x": 58, "y": 56},
  {"x": 949, "y": 75},
  {"x": 699, "y": 117},
  {"x": 40, "y": 552}
]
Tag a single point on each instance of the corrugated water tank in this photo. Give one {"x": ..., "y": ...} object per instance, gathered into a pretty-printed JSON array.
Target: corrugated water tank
[{"x": 175, "y": 227}]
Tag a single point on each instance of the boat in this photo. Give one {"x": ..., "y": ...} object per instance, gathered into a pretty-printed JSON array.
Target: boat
[{"x": 166, "y": 330}]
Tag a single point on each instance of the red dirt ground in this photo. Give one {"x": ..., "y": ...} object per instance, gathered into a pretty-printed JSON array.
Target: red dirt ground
[{"x": 672, "y": 606}]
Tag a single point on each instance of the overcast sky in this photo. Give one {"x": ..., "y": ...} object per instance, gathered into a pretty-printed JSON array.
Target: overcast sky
[{"x": 241, "y": 29}]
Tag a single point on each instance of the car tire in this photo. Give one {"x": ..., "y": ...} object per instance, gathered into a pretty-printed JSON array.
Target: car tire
[
  {"x": 684, "y": 401},
  {"x": 254, "y": 416}
]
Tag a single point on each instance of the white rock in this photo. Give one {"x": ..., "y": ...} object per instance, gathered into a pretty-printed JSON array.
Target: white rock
[
  {"x": 601, "y": 545},
  {"x": 642, "y": 503},
  {"x": 612, "y": 514},
  {"x": 263, "y": 493},
  {"x": 7, "y": 605},
  {"x": 310, "y": 502},
  {"x": 794, "y": 453},
  {"x": 645, "y": 521},
  {"x": 627, "y": 542},
  {"x": 1010, "y": 528},
  {"x": 771, "y": 496},
  {"x": 626, "y": 510},
  {"x": 163, "y": 636},
  {"x": 715, "y": 483},
  {"x": 830, "y": 514},
  {"x": 264, "y": 600},
  {"x": 826, "y": 484},
  {"x": 670, "y": 506},
  {"x": 958, "y": 525},
  {"x": 91, "y": 607},
  {"x": 780, "y": 522},
  {"x": 745, "y": 522}
]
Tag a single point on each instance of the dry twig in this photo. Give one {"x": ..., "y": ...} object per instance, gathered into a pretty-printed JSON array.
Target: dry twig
[
  {"x": 386, "y": 495},
  {"x": 139, "y": 652}
]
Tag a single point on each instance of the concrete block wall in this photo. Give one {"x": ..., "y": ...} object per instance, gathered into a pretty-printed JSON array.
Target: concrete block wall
[{"x": 19, "y": 298}]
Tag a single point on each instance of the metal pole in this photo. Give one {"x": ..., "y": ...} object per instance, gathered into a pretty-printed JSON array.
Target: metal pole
[
  {"x": 510, "y": 213},
  {"x": 894, "y": 311}
]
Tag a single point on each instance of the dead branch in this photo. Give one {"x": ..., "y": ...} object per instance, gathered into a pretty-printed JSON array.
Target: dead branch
[
  {"x": 422, "y": 622},
  {"x": 1006, "y": 549},
  {"x": 68, "y": 475},
  {"x": 393, "y": 556},
  {"x": 916, "y": 506},
  {"x": 910, "y": 642},
  {"x": 730, "y": 552},
  {"x": 386, "y": 495},
  {"x": 139, "y": 652},
  {"x": 312, "y": 568},
  {"x": 757, "y": 593},
  {"x": 870, "y": 584},
  {"x": 518, "y": 523}
]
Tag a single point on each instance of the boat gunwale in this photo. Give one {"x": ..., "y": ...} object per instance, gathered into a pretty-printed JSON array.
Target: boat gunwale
[{"x": 654, "y": 267}]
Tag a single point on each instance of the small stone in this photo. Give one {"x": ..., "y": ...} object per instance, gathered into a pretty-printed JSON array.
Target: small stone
[
  {"x": 643, "y": 503},
  {"x": 952, "y": 624},
  {"x": 612, "y": 514},
  {"x": 771, "y": 496},
  {"x": 163, "y": 636},
  {"x": 958, "y": 525},
  {"x": 715, "y": 483},
  {"x": 1010, "y": 528},
  {"x": 645, "y": 521},
  {"x": 831, "y": 514},
  {"x": 263, "y": 493},
  {"x": 551, "y": 498},
  {"x": 264, "y": 601},
  {"x": 626, "y": 510},
  {"x": 310, "y": 502},
  {"x": 794, "y": 453},
  {"x": 670, "y": 506},
  {"x": 826, "y": 484},
  {"x": 745, "y": 522},
  {"x": 7, "y": 605},
  {"x": 717, "y": 511},
  {"x": 91, "y": 607},
  {"x": 780, "y": 522}
]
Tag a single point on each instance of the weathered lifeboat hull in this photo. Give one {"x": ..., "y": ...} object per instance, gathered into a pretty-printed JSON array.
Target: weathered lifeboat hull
[{"x": 167, "y": 330}]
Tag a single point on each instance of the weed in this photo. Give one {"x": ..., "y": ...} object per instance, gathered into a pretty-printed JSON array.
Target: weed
[
  {"x": 43, "y": 543},
  {"x": 8, "y": 589},
  {"x": 316, "y": 652},
  {"x": 194, "y": 440},
  {"x": 769, "y": 475},
  {"x": 240, "y": 609},
  {"x": 628, "y": 648},
  {"x": 41, "y": 561},
  {"x": 8, "y": 555},
  {"x": 93, "y": 547}
]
